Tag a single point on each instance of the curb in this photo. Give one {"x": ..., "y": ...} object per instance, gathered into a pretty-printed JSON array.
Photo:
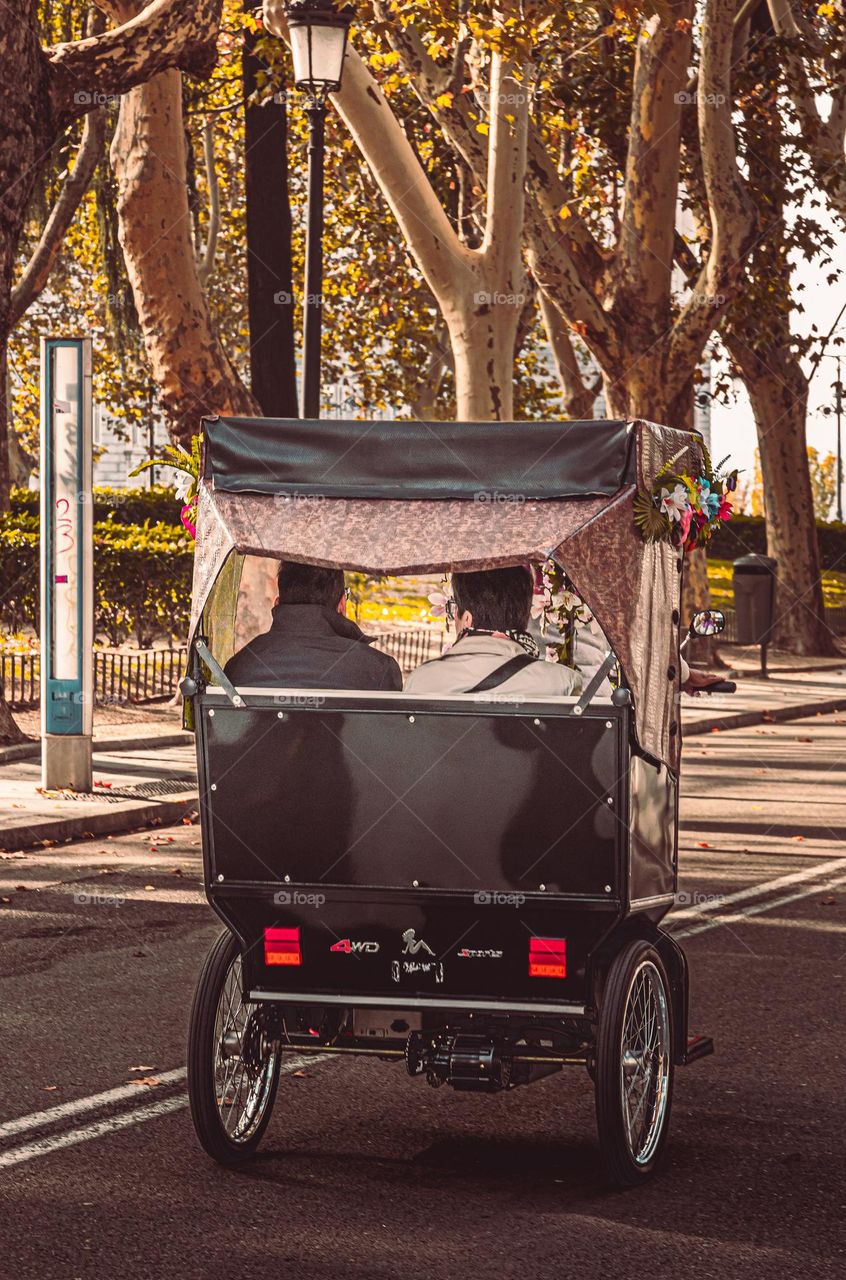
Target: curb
[
  {"x": 769, "y": 716},
  {"x": 31, "y": 749},
  {"x": 115, "y": 820}
]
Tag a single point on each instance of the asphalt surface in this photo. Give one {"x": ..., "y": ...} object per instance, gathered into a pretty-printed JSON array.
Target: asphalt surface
[{"x": 366, "y": 1173}]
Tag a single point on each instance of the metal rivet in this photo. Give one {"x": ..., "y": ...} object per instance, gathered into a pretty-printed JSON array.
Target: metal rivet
[
  {"x": 577, "y": 711},
  {"x": 280, "y": 715},
  {"x": 536, "y": 721},
  {"x": 287, "y": 879},
  {"x": 220, "y": 877},
  {"x": 213, "y": 787},
  {"x": 416, "y": 884},
  {"x": 609, "y": 724},
  {"x": 211, "y": 713},
  {"x": 411, "y": 719},
  {"x": 609, "y": 799},
  {"x": 608, "y": 888},
  {"x": 542, "y": 888}
]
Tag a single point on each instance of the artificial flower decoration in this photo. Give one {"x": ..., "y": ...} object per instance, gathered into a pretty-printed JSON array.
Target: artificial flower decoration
[
  {"x": 438, "y": 601},
  {"x": 560, "y": 609},
  {"x": 683, "y": 509},
  {"x": 187, "y": 466}
]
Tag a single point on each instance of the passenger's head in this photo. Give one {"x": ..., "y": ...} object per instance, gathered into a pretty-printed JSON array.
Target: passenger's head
[
  {"x": 493, "y": 600},
  {"x": 309, "y": 584}
]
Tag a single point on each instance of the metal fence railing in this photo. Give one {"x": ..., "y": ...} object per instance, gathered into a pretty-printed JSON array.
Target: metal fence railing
[
  {"x": 835, "y": 616},
  {"x": 120, "y": 676},
  {"x": 412, "y": 647}
]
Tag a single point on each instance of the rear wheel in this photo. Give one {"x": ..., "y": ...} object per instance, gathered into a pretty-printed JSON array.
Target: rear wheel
[
  {"x": 634, "y": 1064},
  {"x": 233, "y": 1068}
]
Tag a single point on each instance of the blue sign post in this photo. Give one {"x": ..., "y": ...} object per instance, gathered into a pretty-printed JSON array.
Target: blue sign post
[{"x": 67, "y": 547}]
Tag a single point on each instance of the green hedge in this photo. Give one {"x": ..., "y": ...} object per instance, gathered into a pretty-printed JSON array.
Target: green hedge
[
  {"x": 142, "y": 579},
  {"x": 119, "y": 506},
  {"x": 745, "y": 534}
]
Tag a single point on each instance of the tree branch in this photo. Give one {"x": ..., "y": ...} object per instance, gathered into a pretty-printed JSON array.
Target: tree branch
[
  {"x": 578, "y": 396},
  {"x": 76, "y": 183},
  {"x": 206, "y": 265},
  {"x": 166, "y": 33},
  {"x": 730, "y": 207},
  {"x": 824, "y": 139},
  {"x": 645, "y": 249},
  {"x": 509, "y": 113}
]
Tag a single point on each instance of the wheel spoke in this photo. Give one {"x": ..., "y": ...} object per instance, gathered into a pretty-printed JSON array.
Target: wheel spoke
[
  {"x": 242, "y": 1076},
  {"x": 644, "y": 1062}
]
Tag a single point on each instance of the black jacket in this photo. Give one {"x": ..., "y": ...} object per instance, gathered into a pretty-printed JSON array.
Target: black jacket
[{"x": 312, "y": 647}]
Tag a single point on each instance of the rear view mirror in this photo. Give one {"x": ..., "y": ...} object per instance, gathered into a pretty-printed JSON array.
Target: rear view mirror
[{"x": 707, "y": 622}]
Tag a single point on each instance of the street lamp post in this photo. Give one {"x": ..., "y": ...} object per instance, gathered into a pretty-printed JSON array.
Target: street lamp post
[
  {"x": 318, "y": 37},
  {"x": 838, "y": 409}
]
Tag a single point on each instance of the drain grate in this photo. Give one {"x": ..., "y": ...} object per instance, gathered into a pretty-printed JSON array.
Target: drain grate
[{"x": 130, "y": 791}]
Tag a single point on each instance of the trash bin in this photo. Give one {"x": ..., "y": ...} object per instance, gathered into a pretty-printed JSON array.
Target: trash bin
[{"x": 754, "y": 601}]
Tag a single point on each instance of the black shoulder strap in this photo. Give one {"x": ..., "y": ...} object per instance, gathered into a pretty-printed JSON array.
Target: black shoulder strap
[{"x": 502, "y": 673}]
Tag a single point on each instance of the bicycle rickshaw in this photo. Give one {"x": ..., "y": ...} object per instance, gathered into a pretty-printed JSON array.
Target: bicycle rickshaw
[{"x": 472, "y": 889}]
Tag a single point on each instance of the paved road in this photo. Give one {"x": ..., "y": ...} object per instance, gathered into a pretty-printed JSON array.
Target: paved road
[{"x": 365, "y": 1173}]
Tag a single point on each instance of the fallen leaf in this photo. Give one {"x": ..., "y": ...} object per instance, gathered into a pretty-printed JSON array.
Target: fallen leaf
[
  {"x": 804, "y": 739},
  {"x": 298, "y": 1073},
  {"x": 716, "y": 730},
  {"x": 702, "y": 844},
  {"x": 49, "y": 1088},
  {"x": 829, "y": 901},
  {"x": 798, "y": 838},
  {"x": 177, "y": 871},
  {"x": 145, "y": 1080},
  {"x": 149, "y": 888},
  {"x": 142, "y": 1068}
]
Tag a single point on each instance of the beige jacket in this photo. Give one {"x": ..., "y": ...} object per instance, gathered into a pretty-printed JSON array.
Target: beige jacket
[{"x": 474, "y": 657}]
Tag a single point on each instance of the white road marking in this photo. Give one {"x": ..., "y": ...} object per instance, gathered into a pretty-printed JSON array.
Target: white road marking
[
  {"x": 737, "y": 917},
  {"x": 43, "y": 1146},
  {"x": 795, "y": 877},
  {"x": 111, "y": 1124},
  {"x": 37, "y": 1119}
]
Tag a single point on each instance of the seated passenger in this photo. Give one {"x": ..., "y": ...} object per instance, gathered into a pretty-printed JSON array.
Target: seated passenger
[
  {"x": 311, "y": 643},
  {"x": 494, "y": 649}
]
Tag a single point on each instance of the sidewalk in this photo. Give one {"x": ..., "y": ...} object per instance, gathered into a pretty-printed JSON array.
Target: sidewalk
[
  {"x": 145, "y": 771},
  {"x": 796, "y": 688},
  {"x": 154, "y": 783}
]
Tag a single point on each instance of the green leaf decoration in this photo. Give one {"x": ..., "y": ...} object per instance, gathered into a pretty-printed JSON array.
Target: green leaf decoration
[{"x": 653, "y": 524}]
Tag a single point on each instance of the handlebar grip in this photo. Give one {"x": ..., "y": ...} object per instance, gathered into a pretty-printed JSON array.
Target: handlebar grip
[{"x": 722, "y": 686}]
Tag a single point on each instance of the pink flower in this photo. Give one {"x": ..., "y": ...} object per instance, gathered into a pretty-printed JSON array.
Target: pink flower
[
  {"x": 186, "y": 514},
  {"x": 725, "y": 511},
  {"x": 686, "y": 518},
  {"x": 438, "y": 601}
]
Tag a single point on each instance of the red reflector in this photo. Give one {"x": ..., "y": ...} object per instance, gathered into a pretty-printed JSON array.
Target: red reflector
[
  {"x": 282, "y": 946},
  {"x": 547, "y": 957}
]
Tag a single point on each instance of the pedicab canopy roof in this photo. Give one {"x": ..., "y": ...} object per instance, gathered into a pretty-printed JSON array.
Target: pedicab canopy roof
[{"x": 416, "y": 497}]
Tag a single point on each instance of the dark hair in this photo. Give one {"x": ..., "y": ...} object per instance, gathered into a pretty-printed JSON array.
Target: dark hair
[
  {"x": 499, "y": 599},
  {"x": 309, "y": 584}
]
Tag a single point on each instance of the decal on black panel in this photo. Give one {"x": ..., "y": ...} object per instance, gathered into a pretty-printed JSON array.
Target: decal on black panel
[
  {"x": 354, "y": 948},
  {"x": 417, "y": 969},
  {"x": 414, "y": 945}
]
